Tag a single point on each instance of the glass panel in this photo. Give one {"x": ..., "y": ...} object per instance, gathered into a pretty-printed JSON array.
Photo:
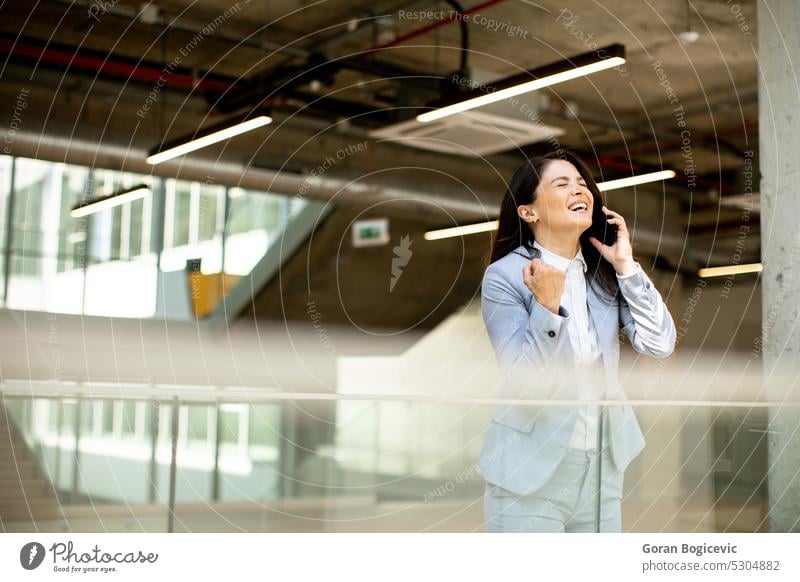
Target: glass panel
[
  {"x": 77, "y": 477},
  {"x": 34, "y": 185},
  {"x": 198, "y": 427},
  {"x": 161, "y": 414},
  {"x": 255, "y": 220},
  {"x": 708, "y": 476},
  {"x": 193, "y": 226},
  {"x": 121, "y": 276},
  {"x": 48, "y": 245},
  {"x": 106, "y": 264},
  {"x": 211, "y": 212},
  {"x": 231, "y": 428},
  {"x": 369, "y": 466},
  {"x": 195, "y": 453},
  {"x": 128, "y": 428},
  {"x": 249, "y": 468},
  {"x": 264, "y": 431},
  {"x": 107, "y": 417}
]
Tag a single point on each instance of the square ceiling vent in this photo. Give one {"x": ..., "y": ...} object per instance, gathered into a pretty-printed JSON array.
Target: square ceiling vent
[{"x": 472, "y": 133}]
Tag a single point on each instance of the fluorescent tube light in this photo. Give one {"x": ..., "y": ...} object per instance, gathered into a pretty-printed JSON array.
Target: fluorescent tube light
[
  {"x": 729, "y": 270},
  {"x": 602, "y": 186},
  {"x": 208, "y": 139},
  {"x": 98, "y": 204},
  {"x": 566, "y": 70},
  {"x": 635, "y": 180},
  {"x": 461, "y": 230}
]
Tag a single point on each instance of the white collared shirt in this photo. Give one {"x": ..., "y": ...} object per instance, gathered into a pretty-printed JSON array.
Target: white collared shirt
[{"x": 586, "y": 346}]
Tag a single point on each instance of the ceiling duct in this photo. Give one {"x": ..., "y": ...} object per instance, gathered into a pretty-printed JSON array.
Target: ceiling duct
[
  {"x": 474, "y": 133},
  {"x": 494, "y": 128}
]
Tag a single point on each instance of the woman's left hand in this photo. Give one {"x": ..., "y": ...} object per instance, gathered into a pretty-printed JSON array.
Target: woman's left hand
[{"x": 620, "y": 254}]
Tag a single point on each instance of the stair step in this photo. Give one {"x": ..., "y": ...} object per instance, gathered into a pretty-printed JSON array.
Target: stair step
[
  {"x": 21, "y": 502},
  {"x": 9, "y": 506},
  {"x": 9, "y": 484},
  {"x": 7, "y": 479},
  {"x": 16, "y": 489},
  {"x": 18, "y": 462},
  {"x": 9, "y": 462},
  {"x": 23, "y": 471},
  {"x": 24, "y": 515},
  {"x": 18, "y": 499}
]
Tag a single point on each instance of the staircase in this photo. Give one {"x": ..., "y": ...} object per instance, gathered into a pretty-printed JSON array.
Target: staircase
[{"x": 26, "y": 494}]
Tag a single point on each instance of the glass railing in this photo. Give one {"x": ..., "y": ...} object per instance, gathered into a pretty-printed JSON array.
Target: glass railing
[{"x": 344, "y": 463}]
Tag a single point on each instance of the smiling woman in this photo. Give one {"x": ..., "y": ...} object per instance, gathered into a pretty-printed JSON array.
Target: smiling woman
[
  {"x": 543, "y": 185},
  {"x": 560, "y": 284}
]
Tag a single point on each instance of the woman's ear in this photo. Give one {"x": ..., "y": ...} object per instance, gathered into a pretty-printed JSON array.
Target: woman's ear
[{"x": 527, "y": 214}]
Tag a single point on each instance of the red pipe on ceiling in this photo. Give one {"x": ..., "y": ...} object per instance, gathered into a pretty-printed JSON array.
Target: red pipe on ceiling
[
  {"x": 117, "y": 68},
  {"x": 152, "y": 74}
]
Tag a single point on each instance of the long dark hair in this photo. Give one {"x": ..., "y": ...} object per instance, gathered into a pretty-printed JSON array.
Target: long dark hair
[{"x": 513, "y": 231}]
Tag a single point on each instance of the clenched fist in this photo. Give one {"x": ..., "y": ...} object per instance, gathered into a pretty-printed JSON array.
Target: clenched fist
[{"x": 545, "y": 282}]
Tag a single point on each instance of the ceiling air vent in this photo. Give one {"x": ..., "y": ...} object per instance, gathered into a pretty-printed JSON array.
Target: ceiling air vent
[{"x": 472, "y": 133}]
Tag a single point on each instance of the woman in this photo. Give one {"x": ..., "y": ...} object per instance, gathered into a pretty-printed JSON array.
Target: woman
[{"x": 554, "y": 297}]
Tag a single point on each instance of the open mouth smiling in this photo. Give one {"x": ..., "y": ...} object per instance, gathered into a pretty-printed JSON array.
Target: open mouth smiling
[{"x": 579, "y": 207}]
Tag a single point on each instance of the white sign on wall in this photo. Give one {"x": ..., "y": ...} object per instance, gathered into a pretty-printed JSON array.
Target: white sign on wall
[{"x": 370, "y": 232}]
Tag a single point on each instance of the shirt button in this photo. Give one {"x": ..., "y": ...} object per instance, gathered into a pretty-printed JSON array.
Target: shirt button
[
  {"x": 647, "y": 285},
  {"x": 551, "y": 333}
]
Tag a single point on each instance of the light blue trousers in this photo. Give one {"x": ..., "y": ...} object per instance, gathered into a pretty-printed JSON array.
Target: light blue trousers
[{"x": 565, "y": 503}]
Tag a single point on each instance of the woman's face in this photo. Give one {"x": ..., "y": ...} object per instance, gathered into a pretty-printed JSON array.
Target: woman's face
[{"x": 563, "y": 201}]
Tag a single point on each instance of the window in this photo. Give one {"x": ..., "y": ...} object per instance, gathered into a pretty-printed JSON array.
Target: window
[
  {"x": 264, "y": 425},
  {"x": 198, "y": 419},
  {"x": 32, "y": 185},
  {"x": 107, "y": 263},
  {"x": 233, "y": 426},
  {"x": 108, "y": 417},
  {"x": 87, "y": 418},
  {"x": 193, "y": 222},
  {"x": 69, "y": 416},
  {"x": 255, "y": 221},
  {"x": 129, "y": 410},
  {"x": 46, "y": 268},
  {"x": 121, "y": 276},
  {"x": 53, "y": 416}
]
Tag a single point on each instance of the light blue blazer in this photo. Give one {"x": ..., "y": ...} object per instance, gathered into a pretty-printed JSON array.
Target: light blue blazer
[{"x": 524, "y": 444}]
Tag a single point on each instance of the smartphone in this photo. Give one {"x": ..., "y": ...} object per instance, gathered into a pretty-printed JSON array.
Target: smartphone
[{"x": 604, "y": 232}]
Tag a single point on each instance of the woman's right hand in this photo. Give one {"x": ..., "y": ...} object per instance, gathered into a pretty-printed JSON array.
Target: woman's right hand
[{"x": 545, "y": 282}]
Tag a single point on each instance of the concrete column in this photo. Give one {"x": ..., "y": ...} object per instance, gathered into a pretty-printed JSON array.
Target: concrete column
[{"x": 779, "y": 144}]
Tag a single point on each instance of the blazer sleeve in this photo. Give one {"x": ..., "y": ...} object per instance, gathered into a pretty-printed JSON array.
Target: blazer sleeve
[
  {"x": 523, "y": 342},
  {"x": 644, "y": 316}
]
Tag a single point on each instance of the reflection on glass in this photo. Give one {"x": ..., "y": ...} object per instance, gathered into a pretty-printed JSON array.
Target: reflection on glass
[{"x": 398, "y": 465}]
